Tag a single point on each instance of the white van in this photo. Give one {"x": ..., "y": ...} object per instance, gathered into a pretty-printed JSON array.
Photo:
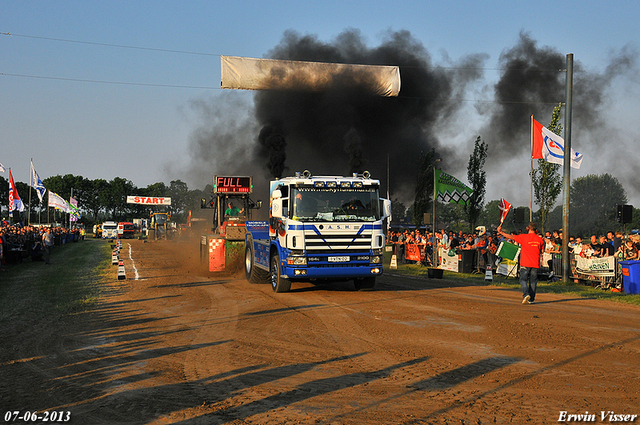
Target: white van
[{"x": 109, "y": 230}]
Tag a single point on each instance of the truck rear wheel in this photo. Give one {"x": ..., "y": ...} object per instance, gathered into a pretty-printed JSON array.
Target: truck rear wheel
[
  {"x": 278, "y": 283},
  {"x": 253, "y": 273},
  {"x": 364, "y": 283}
]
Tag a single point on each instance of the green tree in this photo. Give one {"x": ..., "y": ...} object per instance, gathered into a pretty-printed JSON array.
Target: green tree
[
  {"x": 115, "y": 197},
  {"x": 593, "y": 203},
  {"x": 424, "y": 186},
  {"x": 546, "y": 178},
  {"x": 95, "y": 192},
  {"x": 478, "y": 180},
  {"x": 178, "y": 191},
  {"x": 398, "y": 211},
  {"x": 635, "y": 220},
  {"x": 451, "y": 216}
]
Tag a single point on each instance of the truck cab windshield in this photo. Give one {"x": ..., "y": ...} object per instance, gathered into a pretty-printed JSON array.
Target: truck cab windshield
[{"x": 331, "y": 204}]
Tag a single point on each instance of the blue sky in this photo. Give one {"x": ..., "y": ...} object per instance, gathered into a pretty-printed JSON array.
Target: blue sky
[{"x": 61, "y": 104}]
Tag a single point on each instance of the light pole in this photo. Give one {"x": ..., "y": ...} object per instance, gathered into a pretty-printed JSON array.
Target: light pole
[{"x": 434, "y": 245}]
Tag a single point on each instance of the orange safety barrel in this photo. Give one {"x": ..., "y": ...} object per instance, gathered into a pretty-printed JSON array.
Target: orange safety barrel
[{"x": 217, "y": 254}]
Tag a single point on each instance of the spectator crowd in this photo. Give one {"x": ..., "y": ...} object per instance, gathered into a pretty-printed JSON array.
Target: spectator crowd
[
  {"x": 18, "y": 242},
  {"x": 486, "y": 246}
]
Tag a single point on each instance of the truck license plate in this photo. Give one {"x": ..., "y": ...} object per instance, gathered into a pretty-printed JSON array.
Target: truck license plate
[{"x": 343, "y": 259}]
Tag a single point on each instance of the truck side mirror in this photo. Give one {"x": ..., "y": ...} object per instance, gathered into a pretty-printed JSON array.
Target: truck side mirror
[
  {"x": 276, "y": 208},
  {"x": 386, "y": 209}
]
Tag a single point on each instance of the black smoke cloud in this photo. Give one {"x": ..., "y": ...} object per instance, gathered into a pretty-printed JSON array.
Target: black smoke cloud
[
  {"x": 346, "y": 129},
  {"x": 273, "y": 146},
  {"x": 533, "y": 82}
]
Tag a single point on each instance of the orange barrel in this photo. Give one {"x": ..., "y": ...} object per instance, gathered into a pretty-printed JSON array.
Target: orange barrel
[{"x": 216, "y": 254}]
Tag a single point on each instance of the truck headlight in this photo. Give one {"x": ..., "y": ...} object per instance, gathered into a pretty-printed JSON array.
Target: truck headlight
[
  {"x": 376, "y": 259},
  {"x": 297, "y": 261}
]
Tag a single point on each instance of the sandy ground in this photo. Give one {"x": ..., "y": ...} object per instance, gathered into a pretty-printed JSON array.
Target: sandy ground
[{"x": 180, "y": 345}]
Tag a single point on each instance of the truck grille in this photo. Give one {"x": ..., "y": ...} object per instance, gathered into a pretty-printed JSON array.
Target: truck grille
[{"x": 338, "y": 242}]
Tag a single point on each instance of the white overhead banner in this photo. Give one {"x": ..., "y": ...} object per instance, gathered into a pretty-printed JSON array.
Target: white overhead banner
[
  {"x": 148, "y": 200},
  {"x": 272, "y": 74}
]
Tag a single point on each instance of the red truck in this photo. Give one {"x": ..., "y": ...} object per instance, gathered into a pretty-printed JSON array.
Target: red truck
[{"x": 125, "y": 230}]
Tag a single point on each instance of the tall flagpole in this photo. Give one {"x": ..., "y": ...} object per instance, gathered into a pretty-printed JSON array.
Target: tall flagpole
[
  {"x": 434, "y": 250},
  {"x": 388, "y": 197},
  {"x": 531, "y": 176},
  {"x": 30, "y": 183},
  {"x": 10, "y": 200},
  {"x": 567, "y": 170}
]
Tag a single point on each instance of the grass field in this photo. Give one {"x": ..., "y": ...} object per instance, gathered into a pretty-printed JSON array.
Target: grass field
[{"x": 71, "y": 283}]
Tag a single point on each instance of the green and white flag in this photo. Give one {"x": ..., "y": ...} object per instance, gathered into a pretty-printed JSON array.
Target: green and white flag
[{"x": 450, "y": 189}]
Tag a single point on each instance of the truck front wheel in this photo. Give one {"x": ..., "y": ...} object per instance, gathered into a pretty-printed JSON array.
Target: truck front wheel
[{"x": 278, "y": 283}]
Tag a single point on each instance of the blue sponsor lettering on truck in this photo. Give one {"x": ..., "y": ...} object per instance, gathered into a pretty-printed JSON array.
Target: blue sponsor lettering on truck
[{"x": 319, "y": 228}]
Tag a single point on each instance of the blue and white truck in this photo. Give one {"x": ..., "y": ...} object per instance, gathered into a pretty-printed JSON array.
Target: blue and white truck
[{"x": 319, "y": 228}]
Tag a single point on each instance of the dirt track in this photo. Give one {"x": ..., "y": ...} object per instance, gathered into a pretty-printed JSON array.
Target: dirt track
[{"x": 180, "y": 346}]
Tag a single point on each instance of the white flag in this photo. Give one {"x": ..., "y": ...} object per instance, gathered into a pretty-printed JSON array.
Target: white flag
[
  {"x": 550, "y": 147},
  {"x": 36, "y": 183},
  {"x": 58, "y": 202}
]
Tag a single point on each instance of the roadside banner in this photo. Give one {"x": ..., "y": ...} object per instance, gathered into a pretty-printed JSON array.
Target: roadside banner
[
  {"x": 412, "y": 252},
  {"x": 449, "y": 260},
  {"x": 507, "y": 267},
  {"x": 605, "y": 266},
  {"x": 149, "y": 200}
]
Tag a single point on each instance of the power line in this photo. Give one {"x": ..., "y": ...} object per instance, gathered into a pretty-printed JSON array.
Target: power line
[
  {"x": 123, "y": 46},
  {"x": 122, "y": 83}
]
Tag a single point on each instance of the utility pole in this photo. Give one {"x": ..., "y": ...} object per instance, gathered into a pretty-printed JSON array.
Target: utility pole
[{"x": 567, "y": 170}]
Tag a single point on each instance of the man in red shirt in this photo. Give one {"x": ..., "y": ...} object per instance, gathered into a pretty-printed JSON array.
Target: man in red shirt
[{"x": 531, "y": 248}]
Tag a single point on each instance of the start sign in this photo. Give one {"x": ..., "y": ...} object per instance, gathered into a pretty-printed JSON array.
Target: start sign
[{"x": 148, "y": 200}]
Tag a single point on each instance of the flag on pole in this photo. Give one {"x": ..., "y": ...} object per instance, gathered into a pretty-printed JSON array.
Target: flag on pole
[
  {"x": 56, "y": 201},
  {"x": 547, "y": 145},
  {"x": 15, "y": 203},
  {"x": 74, "y": 211},
  {"x": 2, "y": 169},
  {"x": 36, "y": 183},
  {"x": 504, "y": 208},
  {"x": 450, "y": 189}
]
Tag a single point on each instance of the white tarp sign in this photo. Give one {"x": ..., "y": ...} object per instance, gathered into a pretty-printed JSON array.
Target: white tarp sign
[
  {"x": 447, "y": 261},
  {"x": 605, "y": 266},
  {"x": 149, "y": 200},
  {"x": 272, "y": 74}
]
